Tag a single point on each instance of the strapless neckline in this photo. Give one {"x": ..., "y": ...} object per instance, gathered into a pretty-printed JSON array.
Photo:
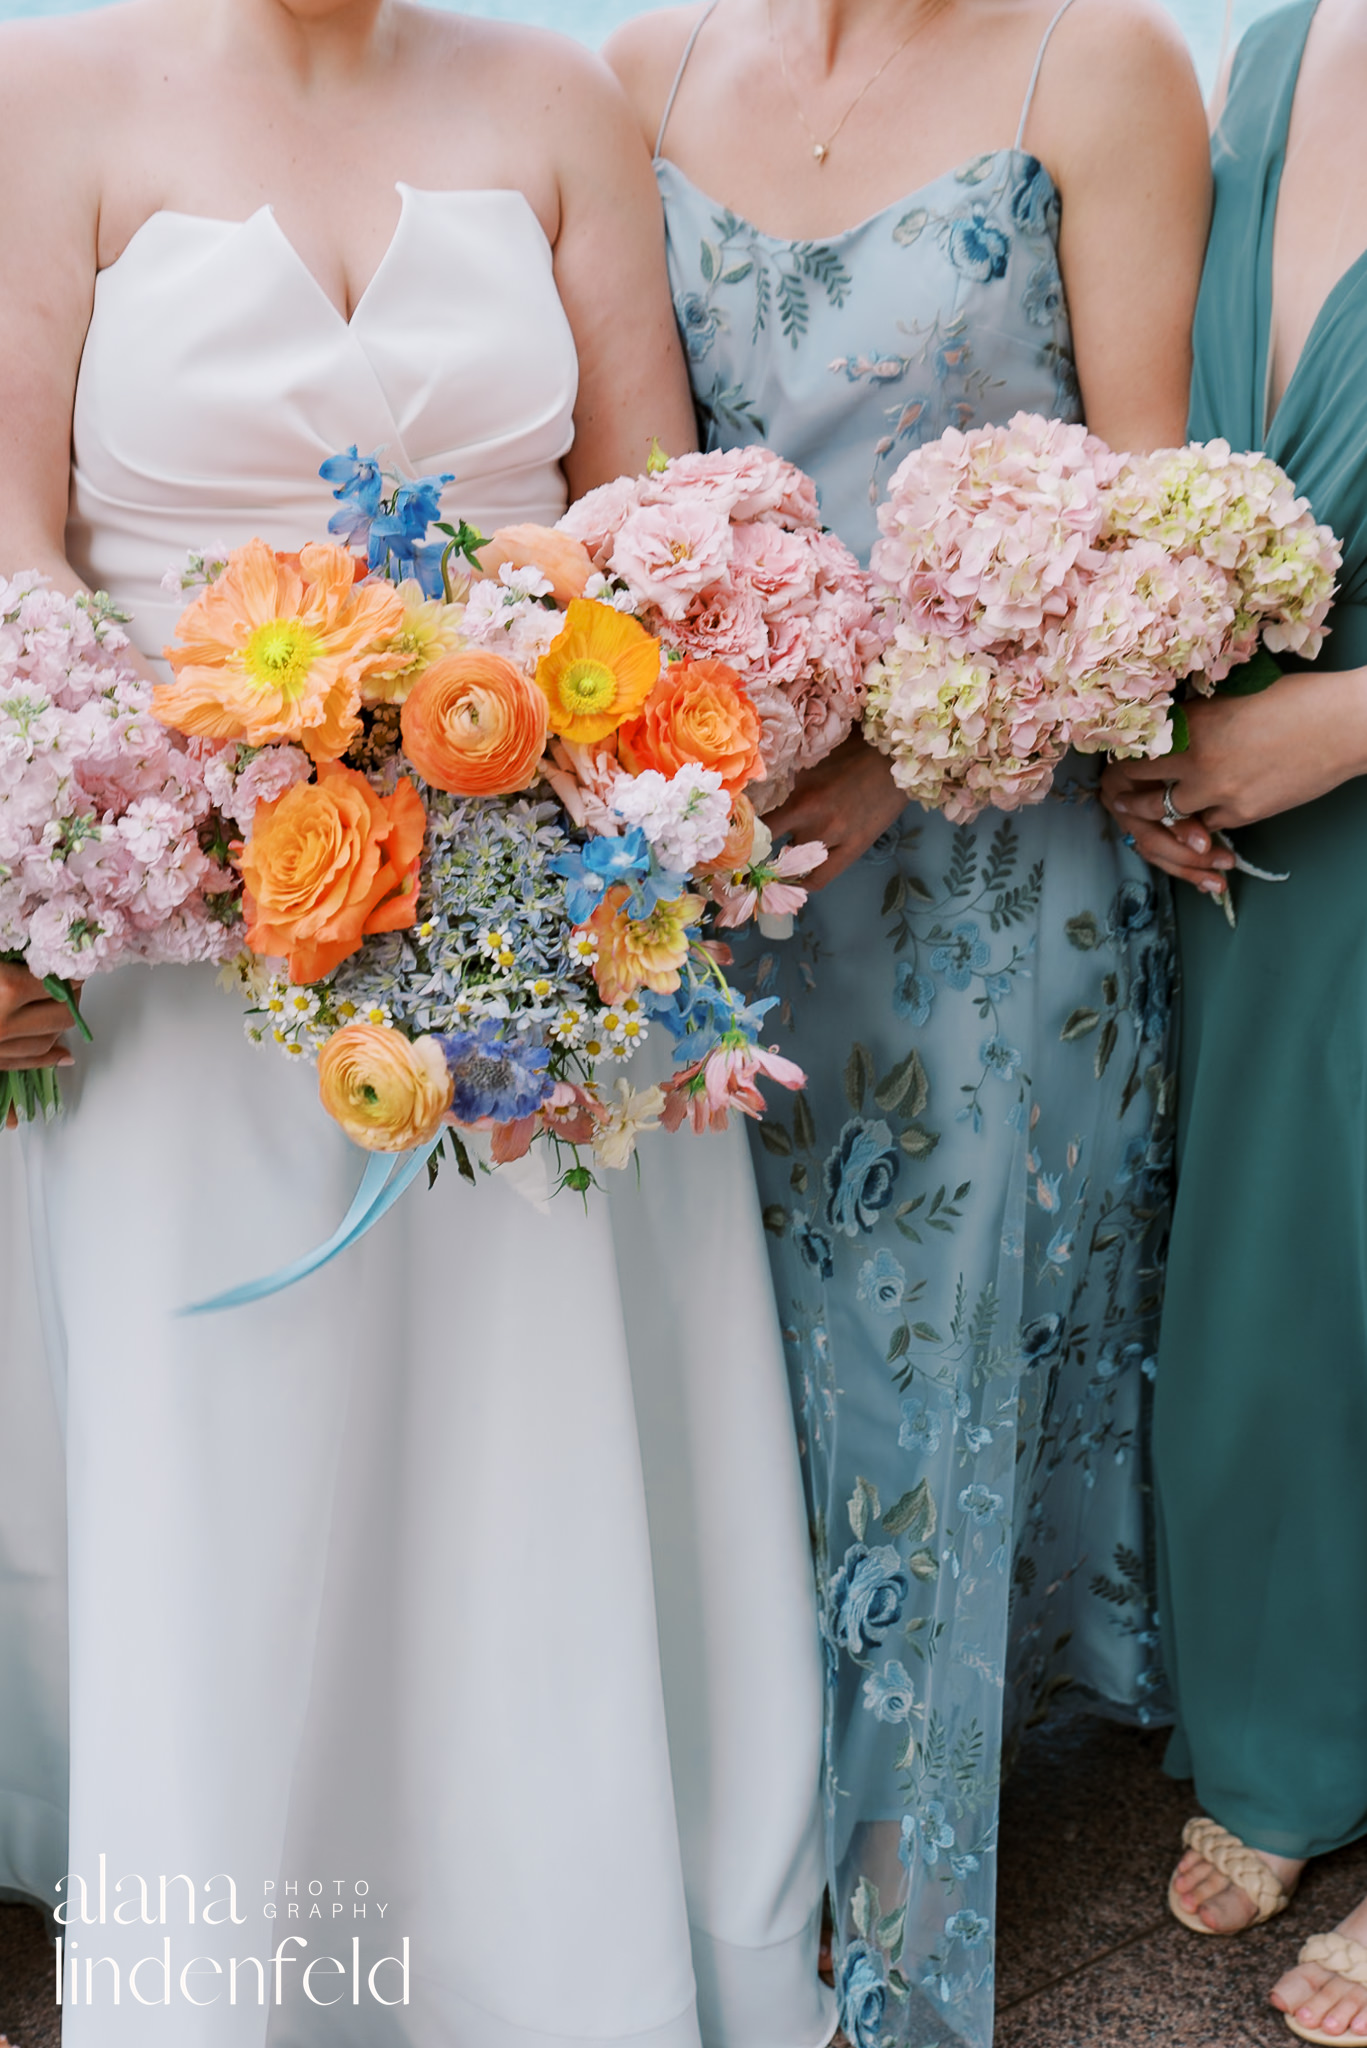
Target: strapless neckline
[
  {"x": 957, "y": 174},
  {"x": 267, "y": 212}
]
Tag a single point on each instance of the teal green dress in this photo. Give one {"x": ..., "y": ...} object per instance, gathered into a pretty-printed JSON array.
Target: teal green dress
[
  {"x": 963, "y": 1203},
  {"x": 1261, "y": 1404}
]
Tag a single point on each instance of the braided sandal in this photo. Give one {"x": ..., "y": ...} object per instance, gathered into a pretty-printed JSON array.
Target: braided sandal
[
  {"x": 1342, "y": 1957},
  {"x": 1239, "y": 1866}
]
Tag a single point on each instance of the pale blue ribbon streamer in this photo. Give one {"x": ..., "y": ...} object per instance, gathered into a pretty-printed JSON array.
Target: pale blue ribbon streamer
[{"x": 386, "y": 1178}]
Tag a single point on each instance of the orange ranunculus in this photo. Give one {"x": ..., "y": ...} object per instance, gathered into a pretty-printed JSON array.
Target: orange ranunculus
[
  {"x": 277, "y": 649},
  {"x": 698, "y": 711},
  {"x": 387, "y": 1092},
  {"x": 565, "y": 562},
  {"x": 641, "y": 952},
  {"x": 474, "y": 725},
  {"x": 328, "y": 863},
  {"x": 597, "y": 671}
]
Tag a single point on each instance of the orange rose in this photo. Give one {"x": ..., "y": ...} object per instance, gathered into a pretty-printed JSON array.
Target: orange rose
[
  {"x": 698, "y": 711},
  {"x": 328, "y": 863},
  {"x": 388, "y": 1093},
  {"x": 474, "y": 725},
  {"x": 564, "y": 561}
]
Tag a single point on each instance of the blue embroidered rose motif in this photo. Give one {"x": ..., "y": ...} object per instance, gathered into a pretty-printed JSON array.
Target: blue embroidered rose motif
[
  {"x": 863, "y": 1994},
  {"x": 883, "y": 1282},
  {"x": 1132, "y": 910},
  {"x": 965, "y": 954},
  {"x": 867, "y": 1596},
  {"x": 1033, "y": 199},
  {"x": 977, "y": 248},
  {"x": 859, "y": 1176},
  {"x": 1042, "y": 300},
  {"x": 1041, "y": 1338},
  {"x": 814, "y": 1246},
  {"x": 889, "y": 1694},
  {"x": 698, "y": 323}
]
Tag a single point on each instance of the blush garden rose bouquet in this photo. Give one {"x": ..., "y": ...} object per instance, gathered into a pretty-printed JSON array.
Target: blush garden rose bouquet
[
  {"x": 1042, "y": 593},
  {"x": 493, "y": 797},
  {"x": 111, "y": 850}
]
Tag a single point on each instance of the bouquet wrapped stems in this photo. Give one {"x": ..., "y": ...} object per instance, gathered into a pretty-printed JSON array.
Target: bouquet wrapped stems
[{"x": 32, "y": 1093}]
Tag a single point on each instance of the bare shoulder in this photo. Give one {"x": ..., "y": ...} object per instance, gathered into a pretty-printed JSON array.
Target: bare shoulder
[
  {"x": 62, "y": 82},
  {"x": 646, "y": 53},
  {"x": 536, "y": 66},
  {"x": 1121, "y": 59}
]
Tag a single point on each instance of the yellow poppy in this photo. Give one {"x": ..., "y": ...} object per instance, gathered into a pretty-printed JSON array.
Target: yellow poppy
[{"x": 598, "y": 671}]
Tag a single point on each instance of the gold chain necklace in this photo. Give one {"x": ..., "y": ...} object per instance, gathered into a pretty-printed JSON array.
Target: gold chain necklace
[{"x": 821, "y": 150}]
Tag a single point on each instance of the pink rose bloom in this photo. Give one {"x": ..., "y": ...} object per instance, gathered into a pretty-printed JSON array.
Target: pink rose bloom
[
  {"x": 779, "y": 566},
  {"x": 667, "y": 554},
  {"x": 724, "y": 624},
  {"x": 596, "y": 518}
]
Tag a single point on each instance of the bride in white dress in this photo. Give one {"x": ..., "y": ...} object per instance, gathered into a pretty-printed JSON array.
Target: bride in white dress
[{"x": 363, "y": 1612}]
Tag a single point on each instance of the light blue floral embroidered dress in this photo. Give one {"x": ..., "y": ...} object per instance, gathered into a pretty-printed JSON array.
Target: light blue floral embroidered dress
[{"x": 966, "y": 1203}]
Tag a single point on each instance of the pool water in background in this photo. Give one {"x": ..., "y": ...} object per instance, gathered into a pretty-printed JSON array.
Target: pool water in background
[{"x": 1202, "y": 20}]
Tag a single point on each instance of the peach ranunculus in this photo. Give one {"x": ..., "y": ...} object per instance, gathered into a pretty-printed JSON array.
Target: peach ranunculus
[
  {"x": 430, "y": 628},
  {"x": 564, "y": 561},
  {"x": 698, "y": 711},
  {"x": 277, "y": 648},
  {"x": 327, "y": 864},
  {"x": 739, "y": 846},
  {"x": 388, "y": 1093},
  {"x": 641, "y": 952},
  {"x": 474, "y": 725},
  {"x": 598, "y": 671}
]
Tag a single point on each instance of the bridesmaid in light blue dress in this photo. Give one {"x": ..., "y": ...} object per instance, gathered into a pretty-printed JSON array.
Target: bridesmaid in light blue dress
[{"x": 966, "y": 1205}]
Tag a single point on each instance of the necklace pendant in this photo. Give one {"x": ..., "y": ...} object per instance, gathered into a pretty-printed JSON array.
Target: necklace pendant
[{"x": 820, "y": 151}]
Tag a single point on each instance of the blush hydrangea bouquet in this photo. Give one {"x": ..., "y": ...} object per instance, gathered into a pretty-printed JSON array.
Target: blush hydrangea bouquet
[
  {"x": 1041, "y": 593},
  {"x": 492, "y": 799},
  {"x": 111, "y": 849}
]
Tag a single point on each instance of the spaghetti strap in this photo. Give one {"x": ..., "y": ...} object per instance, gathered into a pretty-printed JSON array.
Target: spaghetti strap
[
  {"x": 698, "y": 28},
  {"x": 1034, "y": 75}
]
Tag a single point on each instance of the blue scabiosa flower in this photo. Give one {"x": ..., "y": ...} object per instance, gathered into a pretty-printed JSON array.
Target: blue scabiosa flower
[
  {"x": 920, "y": 1430},
  {"x": 497, "y": 1077},
  {"x": 883, "y": 1282},
  {"x": 965, "y": 954},
  {"x": 860, "y": 1175},
  {"x": 912, "y": 994},
  {"x": 862, "y": 1994},
  {"x": 867, "y": 1596},
  {"x": 889, "y": 1694}
]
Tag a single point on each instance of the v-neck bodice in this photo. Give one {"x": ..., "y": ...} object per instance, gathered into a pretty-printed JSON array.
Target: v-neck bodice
[
  {"x": 217, "y": 374},
  {"x": 1319, "y": 429}
]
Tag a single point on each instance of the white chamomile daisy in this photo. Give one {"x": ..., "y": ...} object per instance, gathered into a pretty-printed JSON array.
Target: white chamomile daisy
[
  {"x": 497, "y": 944},
  {"x": 568, "y": 1025},
  {"x": 634, "y": 1032},
  {"x": 301, "y": 1003},
  {"x": 541, "y": 990},
  {"x": 595, "y": 1048},
  {"x": 377, "y": 1014},
  {"x": 347, "y": 1011},
  {"x": 582, "y": 947}
]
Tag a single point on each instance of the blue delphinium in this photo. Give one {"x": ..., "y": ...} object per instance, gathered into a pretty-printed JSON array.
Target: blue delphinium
[
  {"x": 398, "y": 545},
  {"x": 359, "y": 486},
  {"x": 592, "y": 869}
]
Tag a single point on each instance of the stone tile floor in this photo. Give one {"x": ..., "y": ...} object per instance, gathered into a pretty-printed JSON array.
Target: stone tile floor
[{"x": 1088, "y": 1955}]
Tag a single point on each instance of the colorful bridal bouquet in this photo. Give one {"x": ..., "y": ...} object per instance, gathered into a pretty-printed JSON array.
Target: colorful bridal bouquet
[
  {"x": 490, "y": 800},
  {"x": 110, "y": 850},
  {"x": 1040, "y": 592}
]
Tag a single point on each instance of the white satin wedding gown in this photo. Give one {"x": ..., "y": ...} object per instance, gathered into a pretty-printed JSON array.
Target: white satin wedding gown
[{"x": 469, "y": 1577}]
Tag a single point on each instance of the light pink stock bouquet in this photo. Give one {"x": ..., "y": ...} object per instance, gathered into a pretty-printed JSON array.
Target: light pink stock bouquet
[
  {"x": 110, "y": 847},
  {"x": 1041, "y": 593},
  {"x": 723, "y": 558}
]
